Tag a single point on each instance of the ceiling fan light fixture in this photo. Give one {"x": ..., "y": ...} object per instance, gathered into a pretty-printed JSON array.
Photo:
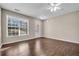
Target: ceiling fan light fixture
[{"x": 54, "y": 6}]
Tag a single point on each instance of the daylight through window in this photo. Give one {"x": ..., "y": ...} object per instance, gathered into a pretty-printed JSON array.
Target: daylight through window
[{"x": 17, "y": 26}]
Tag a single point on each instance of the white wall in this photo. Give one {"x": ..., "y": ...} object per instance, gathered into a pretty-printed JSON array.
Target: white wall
[
  {"x": 0, "y": 27},
  {"x": 38, "y": 28},
  {"x": 32, "y": 27},
  {"x": 65, "y": 27}
]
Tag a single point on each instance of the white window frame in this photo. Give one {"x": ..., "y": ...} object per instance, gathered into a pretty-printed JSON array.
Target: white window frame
[{"x": 25, "y": 20}]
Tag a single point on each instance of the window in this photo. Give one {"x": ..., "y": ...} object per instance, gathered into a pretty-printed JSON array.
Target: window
[{"x": 17, "y": 26}]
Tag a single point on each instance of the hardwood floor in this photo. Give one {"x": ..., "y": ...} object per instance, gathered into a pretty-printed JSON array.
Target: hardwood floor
[
  {"x": 40, "y": 47},
  {"x": 25, "y": 48}
]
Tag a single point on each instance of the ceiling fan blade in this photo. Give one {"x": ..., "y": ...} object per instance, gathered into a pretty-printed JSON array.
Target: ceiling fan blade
[
  {"x": 58, "y": 4},
  {"x": 52, "y": 10},
  {"x": 56, "y": 8},
  {"x": 52, "y": 4}
]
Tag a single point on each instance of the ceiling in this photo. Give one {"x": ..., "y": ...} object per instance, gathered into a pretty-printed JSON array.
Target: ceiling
[{"x": 38, "y": 10}]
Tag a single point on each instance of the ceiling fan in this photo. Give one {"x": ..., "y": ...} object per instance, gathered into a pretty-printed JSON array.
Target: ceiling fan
[{"x": 54, "y": 7}]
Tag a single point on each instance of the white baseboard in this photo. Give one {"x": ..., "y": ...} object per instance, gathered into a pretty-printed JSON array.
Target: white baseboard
[
  {"x": 20, "y": 40},
  {"x": 64, "y": 40},
  {"x": 39, "y": 37}
]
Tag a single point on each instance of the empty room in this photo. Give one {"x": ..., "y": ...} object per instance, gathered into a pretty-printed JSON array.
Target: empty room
[{"x": 39, "y": 29}]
